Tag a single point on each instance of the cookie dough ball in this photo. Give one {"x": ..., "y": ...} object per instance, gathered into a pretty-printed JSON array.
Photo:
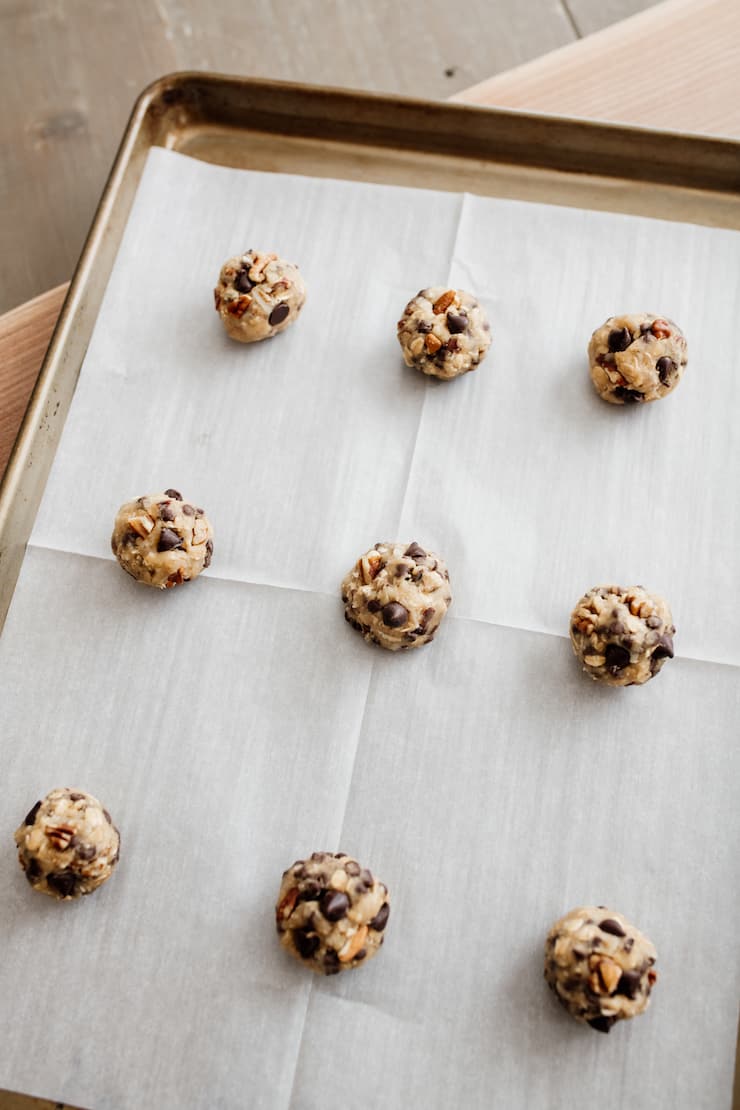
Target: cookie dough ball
[
  {"x": 162, "y": 540},
  {"x": 258, "y": 295},
  {"x": 636, "y": 358},
  {"x": 67, "y": 845},
  {"x": 622, "y": 636},
  {"x": 600, "y": 966},
  {"x": 397, "y": 595},
  {"x": 443, "y": 332},
  {"x": 331, "y": 913}
]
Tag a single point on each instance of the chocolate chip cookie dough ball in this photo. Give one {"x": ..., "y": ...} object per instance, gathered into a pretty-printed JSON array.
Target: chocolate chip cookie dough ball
[
  {"x": 443, "y": 332},
  {"x": 162, "y": 540},
  {"x": 600, "y": 966},
  {"x": 397, "y": 595},
  {"x": 636, "y": 358},
  {"x": 258, "y": 295},
  {"x": 67, "y": 845},
  {"x": 331, "y": 913},
  {"x": 622, "y": 636}
]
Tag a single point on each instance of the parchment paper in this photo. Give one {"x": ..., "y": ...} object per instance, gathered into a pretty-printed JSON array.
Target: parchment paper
[{"x": 236, "y": 724}]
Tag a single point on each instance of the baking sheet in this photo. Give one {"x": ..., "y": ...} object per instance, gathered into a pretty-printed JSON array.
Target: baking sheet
[{"x": 237, "y": 724}]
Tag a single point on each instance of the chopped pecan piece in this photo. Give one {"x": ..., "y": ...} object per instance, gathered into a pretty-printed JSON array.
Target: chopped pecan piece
[
  {"x": 142, "y": 525},
  {"x": 443, "y": 303},
  {"x": 239, "y": 307},
  {"x": 60, "y": 835}
]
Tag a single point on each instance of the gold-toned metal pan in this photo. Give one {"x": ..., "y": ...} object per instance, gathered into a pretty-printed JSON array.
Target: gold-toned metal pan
[
  {"x": 326, "y": 132},
  {"x": 299, "y": 129}
]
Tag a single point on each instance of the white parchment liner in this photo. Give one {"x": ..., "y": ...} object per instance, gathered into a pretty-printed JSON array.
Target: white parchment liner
[{"x": 237, "y": 723}]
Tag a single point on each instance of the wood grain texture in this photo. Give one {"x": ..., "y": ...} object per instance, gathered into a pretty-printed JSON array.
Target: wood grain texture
[
  {"x": 416, "y": 48},
  {"x": 70, "y": 74},
  {"x": 71, "y": 69},
  {"x": 24, "y": 336},
  {"x": 10, "y": 1101},
  {"x": 674, "y": 66},
  {"x": 589, "y": 16}
]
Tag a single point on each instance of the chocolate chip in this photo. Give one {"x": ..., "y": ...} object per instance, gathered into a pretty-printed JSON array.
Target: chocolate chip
[
  {"x": 63, "y": 882},
  {"x": 278, "y": 314},
  {"x": 33, "y": 870},
  {"x": 74, "y": 796},
  {"x": 373, "y": 606},
  {"x": 166, "y": 512},
  {"x": 242, "y": 282},
  {"x": 188, "y": 510},
  {"x": 85, "y": 851},
  {"x": 628, "y": 944},
  {"x": 332, "y": 965},
  {"x": 665, "y": 367},
  {"x": 395, "y": 615},
  {"x": 107, "y": 816},
  {"x": 616, "y": 657},
  {"x": 664, "y": 650},
  {"x": 452, "y": 344},
  {"x": 424, "y": 327},
  {"x": 173, "y": 493},
  {"x": 334, "y": 904},
  {"x": 456, "y": 322},
  {"x": 169, "y": 540},
  {"x": 653, "y": 622},
  {"x": 352, "y": 867},
  {"x": 31, "y": 815},
  {"x": 380, "y": 920},
  {"x": 629, "y": 984},
  {"x": 367, "y": 877},
  {"x": 361, "y": 954},
  {"x": 209, "y": 554},
  {"x": 629, "y": 396},
  {"x": 602, "y": 1024},
  {"x": 306, "y": 943},
  {"x": 415, "y": 551},
  {"x": 310, "y": 890},
  {"x": 609, "y": 925},
  {"x": 619, "y": 339}
]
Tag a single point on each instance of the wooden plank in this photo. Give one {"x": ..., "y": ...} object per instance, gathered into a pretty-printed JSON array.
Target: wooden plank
[
  {"x": 590, "y": 16},
  {"x": 24, "y": 336},
  {"x": 675, "y": 66},
  {"x": 70, "y": 73},
  {"x": 416, "y": 48}
]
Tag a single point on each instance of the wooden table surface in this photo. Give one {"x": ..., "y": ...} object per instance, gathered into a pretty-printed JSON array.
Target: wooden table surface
[{"x": 674, "y": 66}]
